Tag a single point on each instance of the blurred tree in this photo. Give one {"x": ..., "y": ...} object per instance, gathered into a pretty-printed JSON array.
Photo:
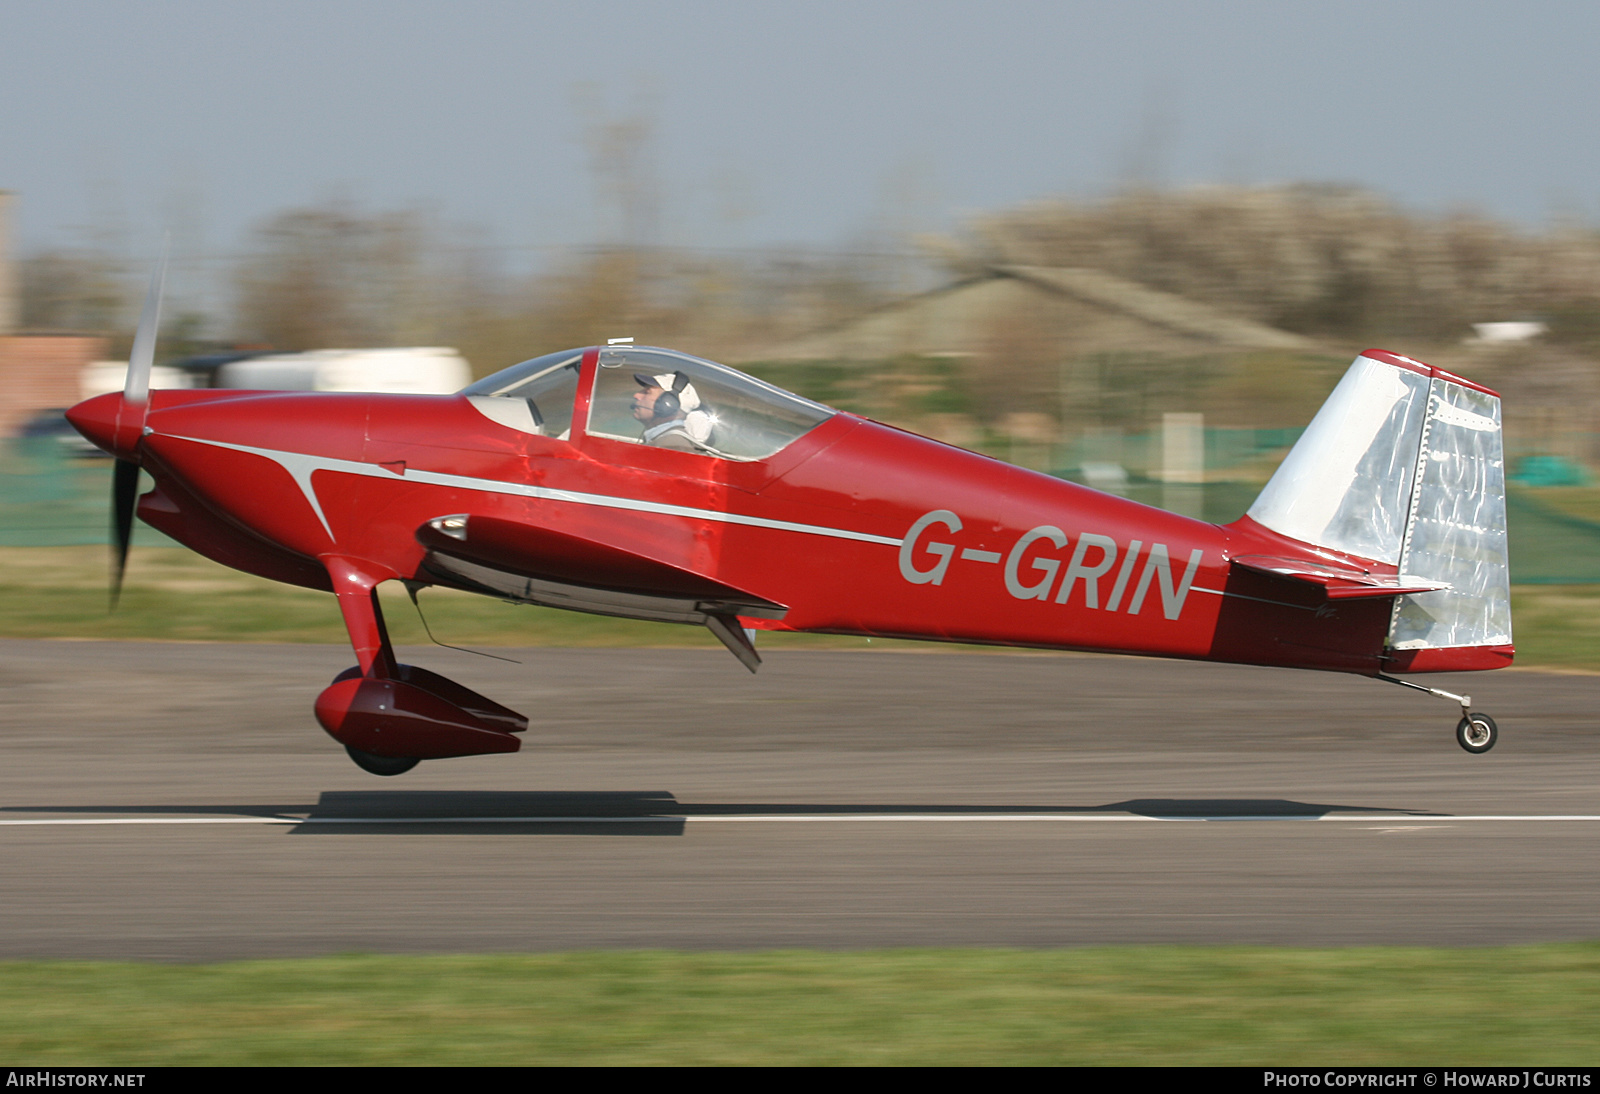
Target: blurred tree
[
  {"x": 333, "y": 275},
  {"x": 1319, "y": 259},
  {"x": 71, "y": 290}
]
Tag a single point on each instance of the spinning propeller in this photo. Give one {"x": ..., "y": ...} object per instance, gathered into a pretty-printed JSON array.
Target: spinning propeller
[{"x": 130, "y": 423}]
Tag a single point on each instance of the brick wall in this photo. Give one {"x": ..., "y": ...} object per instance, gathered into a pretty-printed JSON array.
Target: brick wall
[{"x": 40, "y": 371}]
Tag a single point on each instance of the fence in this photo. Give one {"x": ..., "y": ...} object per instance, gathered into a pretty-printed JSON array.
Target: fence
[{"x": 50, "y": 497}]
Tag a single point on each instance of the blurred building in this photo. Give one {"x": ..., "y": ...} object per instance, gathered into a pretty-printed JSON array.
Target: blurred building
[
  {"x": 1066, "y": 312},
  {"x": 38, "y": 370},
  {"x": 9, "y": 305}
]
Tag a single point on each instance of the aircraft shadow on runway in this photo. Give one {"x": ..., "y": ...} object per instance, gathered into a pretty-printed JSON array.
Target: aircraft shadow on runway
[{"x": 659, "y": 813}]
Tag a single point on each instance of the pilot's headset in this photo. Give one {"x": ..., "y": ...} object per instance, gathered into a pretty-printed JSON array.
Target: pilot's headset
[{"x": 677, "y": 393}]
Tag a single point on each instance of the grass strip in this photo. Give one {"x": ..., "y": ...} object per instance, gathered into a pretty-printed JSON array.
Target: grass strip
[
  {"x": 176, "y": 595},
  {"x": 1130, "y": 1005}
]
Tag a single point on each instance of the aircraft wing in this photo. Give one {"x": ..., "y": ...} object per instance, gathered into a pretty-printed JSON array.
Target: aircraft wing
[
  {"x": 540, "y": 552},
  {"x": 1338, "y": 583}
]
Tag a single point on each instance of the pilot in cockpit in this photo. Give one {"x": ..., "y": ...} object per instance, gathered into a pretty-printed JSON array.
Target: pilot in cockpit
[{"x": 669, "y": 409}]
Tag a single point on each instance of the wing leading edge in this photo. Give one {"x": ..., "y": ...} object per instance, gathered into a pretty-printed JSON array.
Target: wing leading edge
[{"x": 539, "y": 565}]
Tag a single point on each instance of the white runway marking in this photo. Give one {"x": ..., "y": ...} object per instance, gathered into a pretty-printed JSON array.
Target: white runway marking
[{"x": 817, "y": 818}]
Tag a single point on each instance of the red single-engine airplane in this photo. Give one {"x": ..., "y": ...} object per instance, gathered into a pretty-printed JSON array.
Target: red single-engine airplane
[{"x": 646, "y": 483}]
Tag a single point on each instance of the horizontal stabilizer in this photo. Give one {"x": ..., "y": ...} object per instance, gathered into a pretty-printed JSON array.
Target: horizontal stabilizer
[{"x": 1336, "y": 582}]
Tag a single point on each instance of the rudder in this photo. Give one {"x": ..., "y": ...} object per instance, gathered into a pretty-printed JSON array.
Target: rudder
[{"x": 1404, "y": 465}]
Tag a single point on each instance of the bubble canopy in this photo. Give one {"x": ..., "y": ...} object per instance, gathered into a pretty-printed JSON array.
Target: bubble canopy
[{"x": 734, "y": 416}]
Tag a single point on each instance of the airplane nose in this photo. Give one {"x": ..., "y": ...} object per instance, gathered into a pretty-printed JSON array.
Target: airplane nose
[{"x": 97, "y": 419}]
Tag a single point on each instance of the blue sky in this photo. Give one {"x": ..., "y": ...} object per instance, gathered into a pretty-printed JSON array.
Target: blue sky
[{"x": 822, "y": 124}]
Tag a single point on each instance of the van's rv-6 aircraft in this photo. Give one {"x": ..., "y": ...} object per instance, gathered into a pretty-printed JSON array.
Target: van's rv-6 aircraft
[{"x": 1378, "y": 547}]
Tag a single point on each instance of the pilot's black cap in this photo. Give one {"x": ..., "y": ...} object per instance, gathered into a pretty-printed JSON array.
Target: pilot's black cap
[{"x": 679, "y": 381}]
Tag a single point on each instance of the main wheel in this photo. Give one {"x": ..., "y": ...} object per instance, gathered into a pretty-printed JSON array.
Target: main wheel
[
  {"x": 383, "y": 765},
  {"x": 1477, "y": 733}
]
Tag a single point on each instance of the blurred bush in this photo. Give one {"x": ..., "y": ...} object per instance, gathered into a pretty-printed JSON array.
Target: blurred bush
[
  {"x": 1332, "y": 261},
  {"x": 1340, "y": 266}
]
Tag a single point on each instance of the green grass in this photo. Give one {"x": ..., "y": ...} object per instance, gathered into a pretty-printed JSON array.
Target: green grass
[
  {"x": 1147, "y": 1005},
  {"x": 1582, "y": 502},
  {"x": 1557, "y": 626},
  {"x": 171, "y": 594},
  {"x": 175, "y": 595}
]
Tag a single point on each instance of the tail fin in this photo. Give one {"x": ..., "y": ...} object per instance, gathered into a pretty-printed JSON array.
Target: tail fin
[{"x": 1403, "y": 465}]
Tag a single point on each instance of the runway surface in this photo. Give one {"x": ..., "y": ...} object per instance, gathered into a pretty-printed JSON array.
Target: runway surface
[{"x": 178, "y": 802}]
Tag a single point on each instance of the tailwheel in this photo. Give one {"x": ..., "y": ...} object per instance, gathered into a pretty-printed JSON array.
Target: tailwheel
[
  {"x": 1477, "y": 733},
  {"x": 390, "y": 765}
]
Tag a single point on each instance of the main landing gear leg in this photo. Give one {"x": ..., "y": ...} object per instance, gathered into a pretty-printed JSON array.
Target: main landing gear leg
[
  {"x": 390, "y": 716},
  {"x": 1476, "y": 733},
  {"x": 363, "y": 618}
]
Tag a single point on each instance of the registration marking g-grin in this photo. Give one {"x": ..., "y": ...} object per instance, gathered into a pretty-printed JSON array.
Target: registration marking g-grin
[{"x": 1030, "y": 571}]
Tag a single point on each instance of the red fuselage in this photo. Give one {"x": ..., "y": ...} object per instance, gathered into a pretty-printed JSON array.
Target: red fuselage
[{"x": 855, "y": 527}]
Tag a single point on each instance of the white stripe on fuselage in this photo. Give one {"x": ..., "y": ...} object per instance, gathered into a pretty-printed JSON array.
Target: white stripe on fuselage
[{"x": 301, "y": 467}]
